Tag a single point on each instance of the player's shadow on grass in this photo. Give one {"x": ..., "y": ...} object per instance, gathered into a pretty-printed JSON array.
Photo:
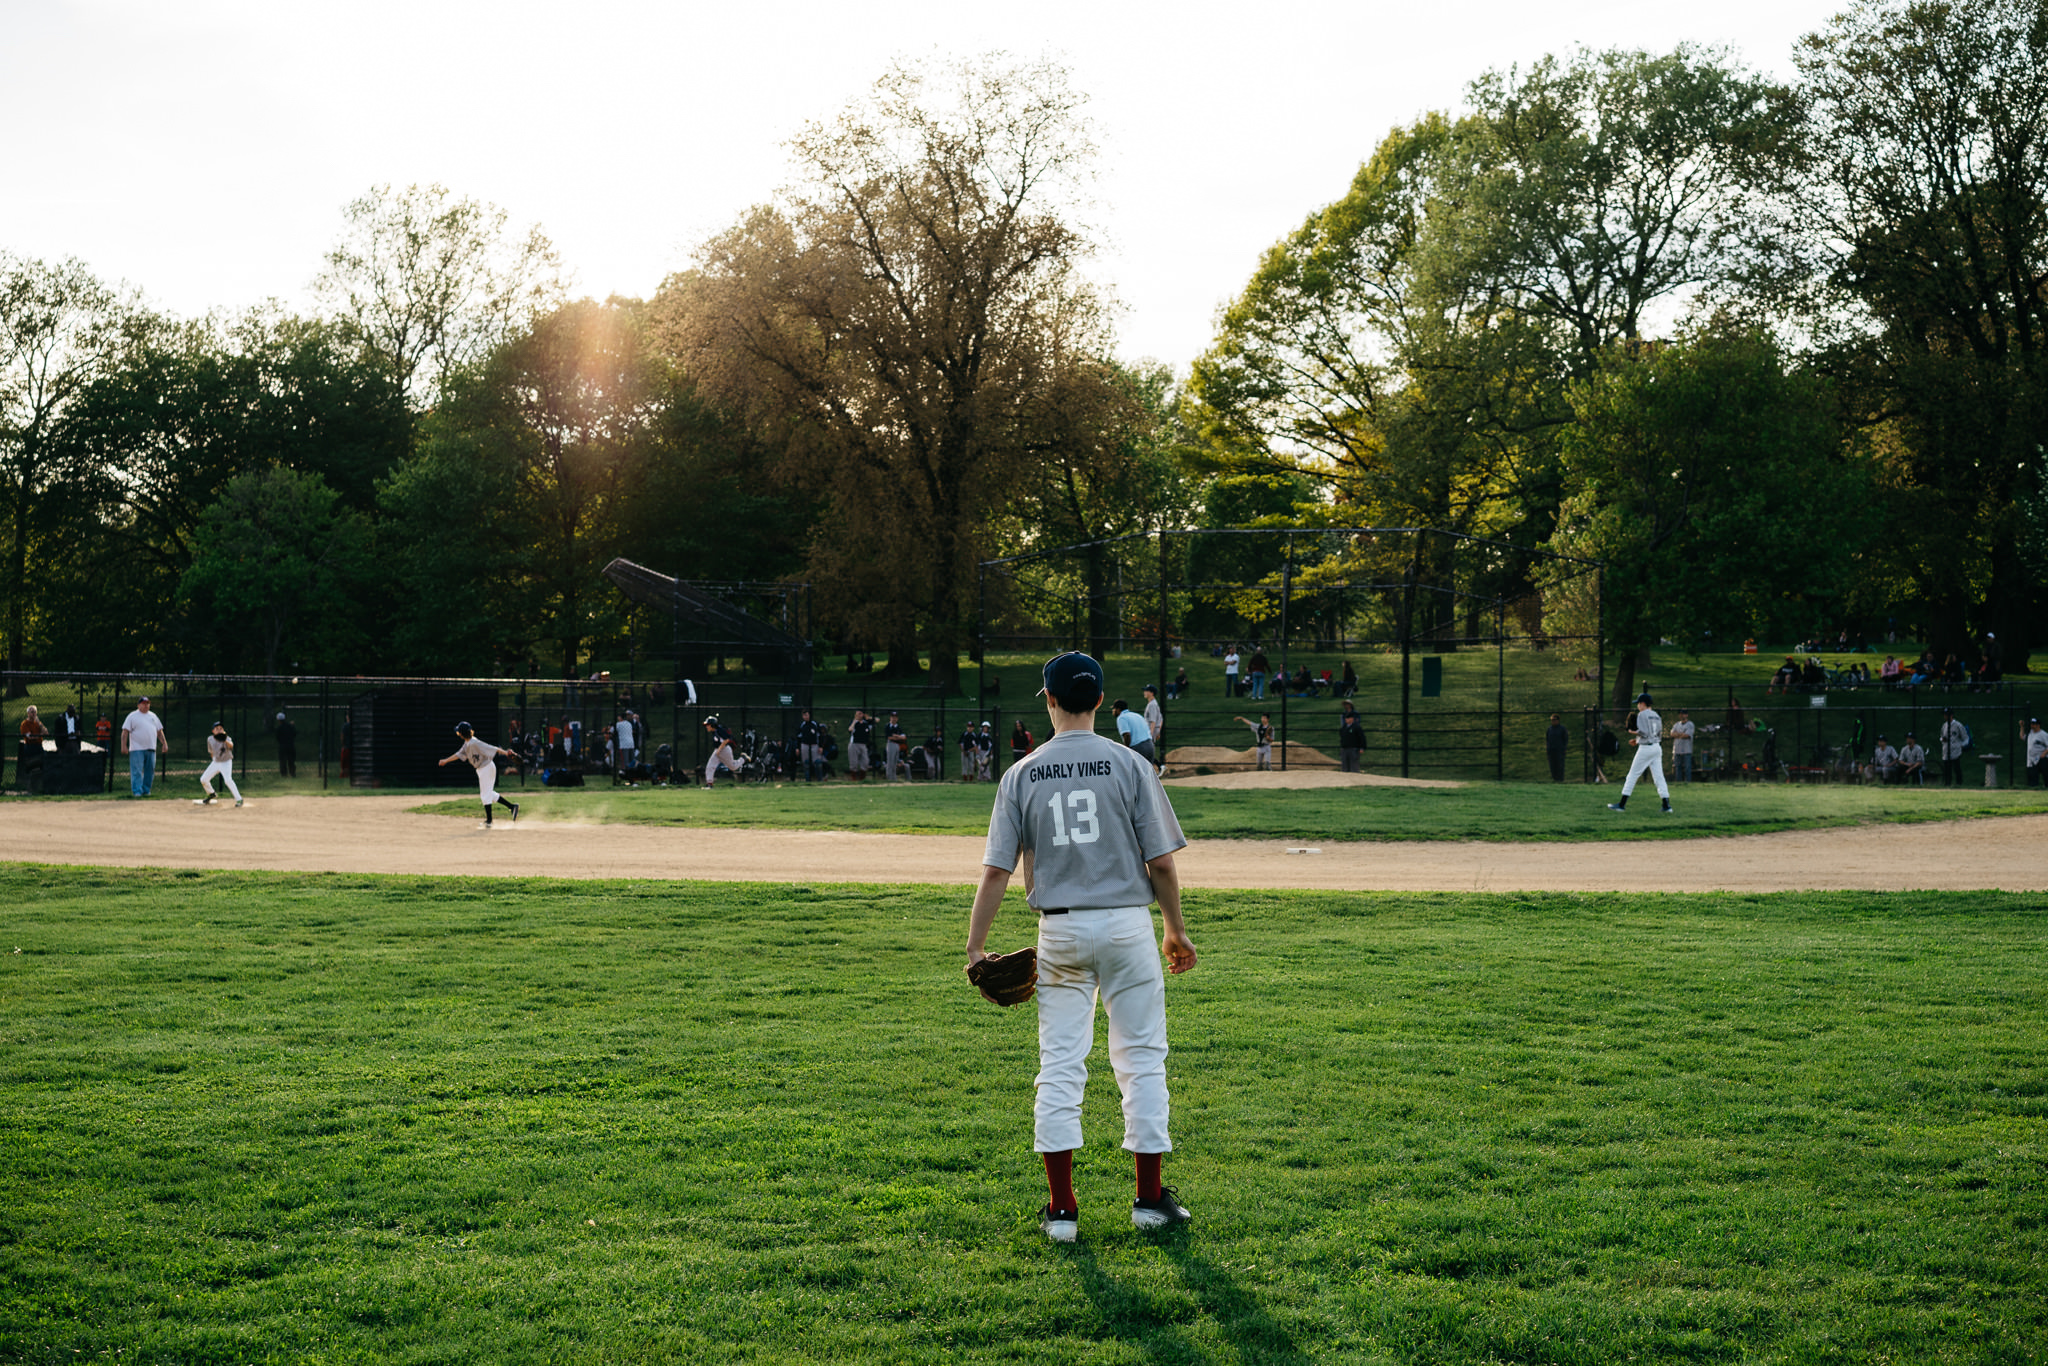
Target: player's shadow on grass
[{"x": 1133, "y": 1316}]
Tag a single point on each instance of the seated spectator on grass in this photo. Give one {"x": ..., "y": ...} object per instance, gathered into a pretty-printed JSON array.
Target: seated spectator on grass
[
  {"x": 1785, "y": 677},
  {"x": 1813, "y": 678},
  {"x": 1912, "y": 762},
  {"x": 1889, "y": 674}
]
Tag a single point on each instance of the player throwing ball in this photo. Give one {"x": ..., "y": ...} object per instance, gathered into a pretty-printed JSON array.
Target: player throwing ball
[
  {"x": 1649, "y": 755},
  {"x": 484, "y": 759},
  {"x": 1100, "y": 837}
]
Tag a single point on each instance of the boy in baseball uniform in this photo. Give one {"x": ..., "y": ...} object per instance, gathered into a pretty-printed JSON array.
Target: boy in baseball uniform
[
  {"x": 484, "y": 759},
  {"x": 1649, "y": 733},
  {"x": 1097, "y": 836},
  {"x": 221, "y": 751}
]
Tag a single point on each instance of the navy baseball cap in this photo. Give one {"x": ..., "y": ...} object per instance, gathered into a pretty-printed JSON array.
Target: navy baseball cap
[{"x": 1074, "y": 680}]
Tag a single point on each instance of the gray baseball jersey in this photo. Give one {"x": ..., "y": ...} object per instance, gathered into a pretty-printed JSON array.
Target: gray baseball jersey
[
  {"x": 1649, "y": 727},
  {"x": 1092, "y": 815},
  {"x": 476, "y": 753}
]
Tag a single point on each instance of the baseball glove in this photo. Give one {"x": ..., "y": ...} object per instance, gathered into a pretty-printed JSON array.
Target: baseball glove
[{"x": 1008, "y": 979}]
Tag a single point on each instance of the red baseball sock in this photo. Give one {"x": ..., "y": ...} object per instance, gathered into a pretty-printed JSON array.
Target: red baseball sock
[
  {"x": 1148, "y": 1175},
  {"x": 1059, "y": 1179}
]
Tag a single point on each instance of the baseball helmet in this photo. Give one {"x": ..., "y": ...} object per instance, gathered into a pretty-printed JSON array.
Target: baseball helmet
[
  {"x": 462, "y": 728},
  {"x": 218, "y": 725},
  {"x": 710, "y": 721}
]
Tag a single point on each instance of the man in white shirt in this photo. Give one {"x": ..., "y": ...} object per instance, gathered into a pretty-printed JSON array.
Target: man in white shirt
[
  {"x": 625, "y": 739},
  {"x": 1230, "y": 672},
  {"x": 142, "y": 739},
  {"x": 1155, "y": 717},
  {"x": 2037, "y": 752},
  {"x": 1681, "y": 746}
]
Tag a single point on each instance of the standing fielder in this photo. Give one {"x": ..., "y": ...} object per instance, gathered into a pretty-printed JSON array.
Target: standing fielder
[
  {"x": 221, "y": 750},
  {"x": 484, "y": 759},
  {"x": 1649, "y": 756},
  {"x": 1100, "y": 837}
]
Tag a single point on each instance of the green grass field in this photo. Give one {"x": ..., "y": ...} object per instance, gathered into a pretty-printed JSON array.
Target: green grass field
[
  {"x": 1486, "y": 811},
  {"x": 250, "y": 1117}
]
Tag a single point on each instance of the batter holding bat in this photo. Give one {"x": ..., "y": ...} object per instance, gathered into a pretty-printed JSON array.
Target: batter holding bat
[{"x": 1100, "y": 835}]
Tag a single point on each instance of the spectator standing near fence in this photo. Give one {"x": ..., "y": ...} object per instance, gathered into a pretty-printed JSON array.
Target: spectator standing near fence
[
  {"x": 28, "y": 756},
  {"x": 287, "y": 747},
  {"x": 142, "y": 739},
  {"x": 1556, "y": 741},
  {"x": 1260, "y": 667},
  {"x": 70, "y": 731},
  {"x": 1351, "y": 737},
  {"x": 1681, "y": 746},
  {"x": 1020, "y": 742},
  {"x": 1950, "y": 742},
  {"x": 629, "y": 740},
  {"x": 1155, "y": 717},
  {"x": 1230, "y": 672},
  {"x": 2037, "y": 752}
]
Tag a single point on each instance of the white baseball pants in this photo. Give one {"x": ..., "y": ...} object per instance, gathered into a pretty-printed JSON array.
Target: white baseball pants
[
  {"x": 1109, "y": 955},
  {"x": 720, "y": 756},
  {"x": 487, "y": 782},
  {"x": 1650, "y": 757},
  {"x": 225, "y": 769}
]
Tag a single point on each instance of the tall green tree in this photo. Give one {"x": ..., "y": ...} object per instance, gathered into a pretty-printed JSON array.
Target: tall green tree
[
  {"x": 1714, "y": 484},
  {"x": 430, "y": 282},
  {"x": 183, "y": 410},
  {"x": 274, "y": 563},
  {"x": 1923, "y": 202},
  {"x": 907, "y": 315},
  {"x": 1409, "y": 345},
  {"x": 61, "y": 330}
]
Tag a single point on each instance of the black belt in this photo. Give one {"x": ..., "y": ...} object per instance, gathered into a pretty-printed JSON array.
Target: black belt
[{"x": 1054, "y": 910}]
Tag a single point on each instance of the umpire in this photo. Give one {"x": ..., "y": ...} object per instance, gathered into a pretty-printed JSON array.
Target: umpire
[{"x": 1099, "y": 836}]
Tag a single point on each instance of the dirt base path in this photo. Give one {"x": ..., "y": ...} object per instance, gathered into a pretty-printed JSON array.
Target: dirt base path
[{"x": 379, "y": 835}]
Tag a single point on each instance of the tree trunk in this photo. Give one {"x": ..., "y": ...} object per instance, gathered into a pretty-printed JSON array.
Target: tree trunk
[{"x": 1625, "y": 660}]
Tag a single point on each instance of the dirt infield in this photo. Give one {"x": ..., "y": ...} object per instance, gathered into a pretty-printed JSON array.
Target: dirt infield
[{"x": 380, "y": 835}]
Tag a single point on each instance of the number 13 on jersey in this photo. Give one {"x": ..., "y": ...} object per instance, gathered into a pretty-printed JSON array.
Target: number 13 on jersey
[{"x": 1082, "y": 804}]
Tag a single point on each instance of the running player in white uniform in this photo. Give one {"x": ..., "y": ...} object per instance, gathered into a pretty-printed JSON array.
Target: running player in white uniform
[
  {"x": 484, "y": 759},
  {"x": 721, "y": 752},
  {"x": 1649, "y": 756},
  {"x": 1097, "y": 836},
  {"x": 221, "y": 750}
]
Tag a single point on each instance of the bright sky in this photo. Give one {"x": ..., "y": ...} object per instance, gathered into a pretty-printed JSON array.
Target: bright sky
[{"x": 202, "y": 150}]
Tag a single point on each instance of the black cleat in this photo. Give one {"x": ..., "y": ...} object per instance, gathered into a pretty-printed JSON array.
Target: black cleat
[{"x": 1160, "y": 1213}]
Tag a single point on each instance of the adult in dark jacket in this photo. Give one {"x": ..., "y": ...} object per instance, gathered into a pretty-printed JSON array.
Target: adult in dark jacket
[
  {"x": 1350, "y": 737},
  {"x": 1555, "y": 741},
  {"x": 287, "y": 747}
]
